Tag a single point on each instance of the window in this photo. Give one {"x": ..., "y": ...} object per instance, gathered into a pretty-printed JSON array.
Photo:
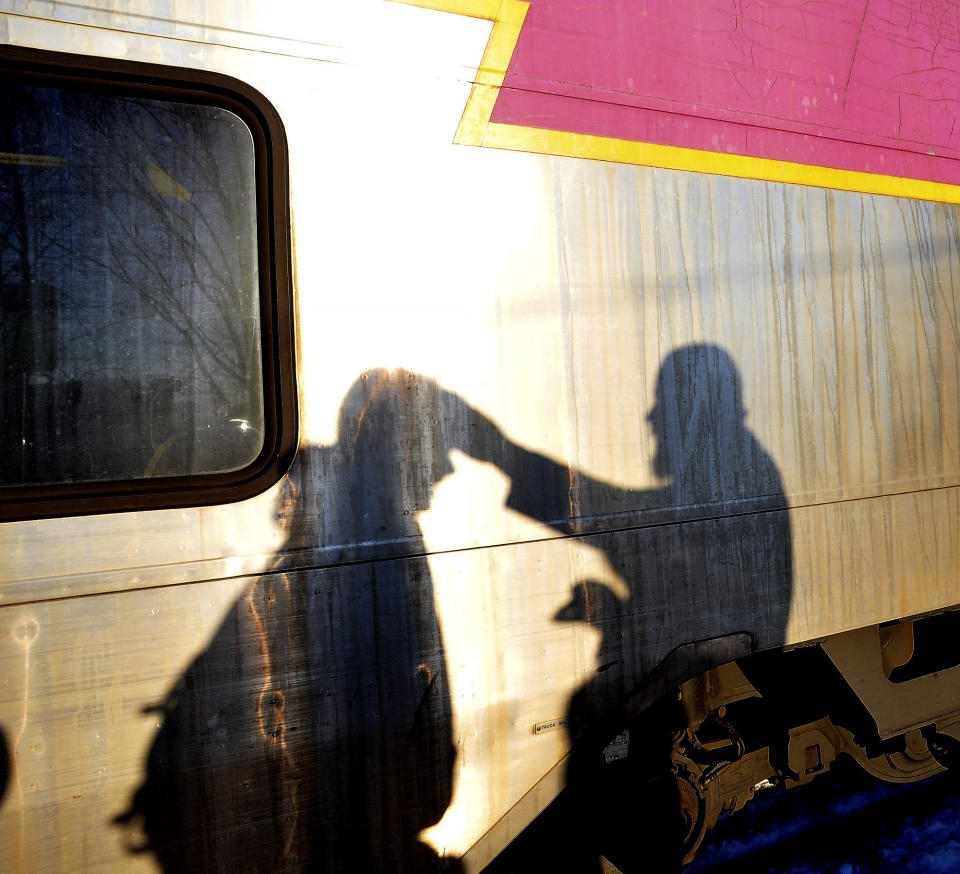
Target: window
[{"x": 145, "y": 339}]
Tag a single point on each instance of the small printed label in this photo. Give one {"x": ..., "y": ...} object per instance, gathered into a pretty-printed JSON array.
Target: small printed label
[{"x": 550, "y": 725}]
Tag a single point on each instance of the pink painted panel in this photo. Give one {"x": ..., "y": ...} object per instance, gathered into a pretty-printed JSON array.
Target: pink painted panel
[{"x": 870, "y": 85}]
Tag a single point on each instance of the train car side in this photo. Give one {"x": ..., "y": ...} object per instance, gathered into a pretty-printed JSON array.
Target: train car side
[{"x": 636, "y": 480}]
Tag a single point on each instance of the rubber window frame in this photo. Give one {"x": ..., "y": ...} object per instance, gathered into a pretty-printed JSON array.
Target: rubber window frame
[{"x": 130, "y": 78}]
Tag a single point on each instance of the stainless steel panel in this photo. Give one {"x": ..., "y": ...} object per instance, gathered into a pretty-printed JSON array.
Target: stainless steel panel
[{"x": 537, "y": 448}]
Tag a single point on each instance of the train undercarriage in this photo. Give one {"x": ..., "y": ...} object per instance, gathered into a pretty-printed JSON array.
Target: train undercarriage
[{"x": 887, "y": 696}]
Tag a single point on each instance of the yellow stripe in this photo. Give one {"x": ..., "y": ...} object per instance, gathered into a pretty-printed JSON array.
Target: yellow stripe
[
  {"x": 476, "y": 129},
  {"x": 571, "y": 145}
]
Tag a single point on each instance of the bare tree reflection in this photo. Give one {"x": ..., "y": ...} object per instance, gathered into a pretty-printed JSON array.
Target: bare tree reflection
[{"x": 128, "y": 288}]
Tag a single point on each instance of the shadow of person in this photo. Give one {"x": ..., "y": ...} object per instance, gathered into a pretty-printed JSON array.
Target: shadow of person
[
  {"x": 708, "y": 561},
  {"x": 314, "y": 732}
]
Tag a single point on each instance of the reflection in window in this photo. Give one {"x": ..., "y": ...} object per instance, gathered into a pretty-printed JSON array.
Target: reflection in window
[{"x": 129, "y": 294}]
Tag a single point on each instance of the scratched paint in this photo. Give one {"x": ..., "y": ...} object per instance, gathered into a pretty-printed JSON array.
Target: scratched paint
[{"x": 25, "y": 634}]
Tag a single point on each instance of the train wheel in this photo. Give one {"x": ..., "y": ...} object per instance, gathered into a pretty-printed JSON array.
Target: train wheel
[
  {"x": 693, "y": 810},
  {"x": 699, "y": 805},
  {"x": 916, "y": 762}
]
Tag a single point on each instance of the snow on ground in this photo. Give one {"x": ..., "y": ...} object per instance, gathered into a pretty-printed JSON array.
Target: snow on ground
[{"x": 845, "y": 822}]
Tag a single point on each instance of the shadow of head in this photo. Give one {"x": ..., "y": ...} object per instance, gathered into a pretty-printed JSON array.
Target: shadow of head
[
  {"x": 698, "y": 413},
  {"x": 398, "y": 427}
]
